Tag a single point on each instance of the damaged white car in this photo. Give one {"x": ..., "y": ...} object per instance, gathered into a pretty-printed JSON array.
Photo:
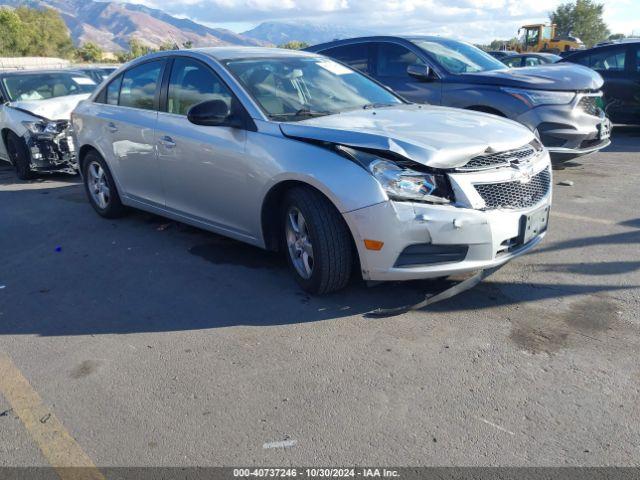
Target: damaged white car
[
  {"x": 34, "y": 119},
  {"x": 293, "y": 151}
]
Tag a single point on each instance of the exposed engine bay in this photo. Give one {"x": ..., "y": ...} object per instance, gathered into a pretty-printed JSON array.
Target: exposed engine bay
[{"x": 51, "y": 146}]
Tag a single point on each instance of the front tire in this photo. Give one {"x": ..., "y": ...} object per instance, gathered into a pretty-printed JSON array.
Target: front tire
[
  {"x": 17, "y": 151},
  {"x": 100, "y": 187},
  {"x": 316, "y": 241}
]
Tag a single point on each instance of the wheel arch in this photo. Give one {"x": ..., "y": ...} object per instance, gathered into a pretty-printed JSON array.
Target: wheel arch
[
  {"x": 82, "y": 154},
  {"x": 270, "y": 220},
  {"x": 3, "y": 134}
]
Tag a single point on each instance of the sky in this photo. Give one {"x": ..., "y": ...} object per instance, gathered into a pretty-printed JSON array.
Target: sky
[{"x": 471, "y": 20}]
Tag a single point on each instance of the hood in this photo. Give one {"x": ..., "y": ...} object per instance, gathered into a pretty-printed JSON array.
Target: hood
[
  {"x": 58, "y": 108},
  {"x": 438, "y": 137},
  {"x": 547, "y": 77}
]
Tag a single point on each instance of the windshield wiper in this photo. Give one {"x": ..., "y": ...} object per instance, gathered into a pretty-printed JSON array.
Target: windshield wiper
[
  {"x": 303, "y": 112},
  {"x": 307, "y": 112},
  {"x": 369, "y": 106}
]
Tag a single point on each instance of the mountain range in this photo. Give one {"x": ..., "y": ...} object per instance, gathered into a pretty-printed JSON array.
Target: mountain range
[
  {"x": 112, "y": 24},
  {"x": 278, "y": 33}
]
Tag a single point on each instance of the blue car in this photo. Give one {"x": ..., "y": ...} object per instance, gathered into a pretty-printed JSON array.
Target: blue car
[{"x": 560, "y": 103}]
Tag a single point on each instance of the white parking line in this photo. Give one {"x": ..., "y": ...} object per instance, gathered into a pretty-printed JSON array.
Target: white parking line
[
  {"x": 495, "y": 426},
  {"x": 282, "y": 444},
  {"x": 581, "y": 218}
]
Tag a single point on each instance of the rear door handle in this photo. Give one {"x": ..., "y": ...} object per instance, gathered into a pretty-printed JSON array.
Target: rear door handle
[
  {"x": 167, "y": 142},
  {"x": 112, "y": 127}
]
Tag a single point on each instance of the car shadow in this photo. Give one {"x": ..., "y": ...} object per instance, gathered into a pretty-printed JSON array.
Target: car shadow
[
  {"x": 78, "y": 274},
  {"x": 624, "y": 139}
]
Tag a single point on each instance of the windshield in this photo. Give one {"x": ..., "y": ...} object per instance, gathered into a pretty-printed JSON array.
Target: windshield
[
  {"x": 291, "y": 89},
  {"x": 459, "y": 57},
  {"x": 42, "y": 86}
]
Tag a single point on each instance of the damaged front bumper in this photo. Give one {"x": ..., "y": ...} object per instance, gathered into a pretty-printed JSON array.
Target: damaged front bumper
[
  {"x": 432, "y": 241},
  {"x": 500, "y": 214},
  {"x": 51, "y": 147}
]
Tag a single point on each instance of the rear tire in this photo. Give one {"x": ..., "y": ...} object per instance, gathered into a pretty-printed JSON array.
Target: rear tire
[
  {"x": 19, "y": 155},
  {"x": 316, "y": 241},
  {"x": 100, "y": 188}
]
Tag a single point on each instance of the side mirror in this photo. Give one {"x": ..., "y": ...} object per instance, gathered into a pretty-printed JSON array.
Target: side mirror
[
  {"x": 212, "y": 113},
  {"x": 420, "y": 72}
]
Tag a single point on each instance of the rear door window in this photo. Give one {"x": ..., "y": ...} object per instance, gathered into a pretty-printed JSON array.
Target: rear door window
[
  {"x": 355, "y": 55},
  {"x": 512, "y": 62},
  {"x": 611, "y": 59},
  {"x": 113, "y": 91},
  {"x": 532, "y": 62},
  {"x": 140, "y": 86},
  {"x": 392, "y": 60},
  {"x": 580, "y": 59}
]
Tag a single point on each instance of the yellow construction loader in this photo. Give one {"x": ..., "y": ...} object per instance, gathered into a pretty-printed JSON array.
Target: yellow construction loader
[{"x": 542, "y": 38}]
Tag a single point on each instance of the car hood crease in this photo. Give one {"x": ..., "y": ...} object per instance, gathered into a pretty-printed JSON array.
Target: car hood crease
[
  {"x": 58, "y": 108},
  {"x": 436, "y": 137},
  {"x": 558, "y": 77}
]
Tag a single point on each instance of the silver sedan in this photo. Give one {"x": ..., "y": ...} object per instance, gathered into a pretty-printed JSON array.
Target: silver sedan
[{"x": 293, "y": 151}]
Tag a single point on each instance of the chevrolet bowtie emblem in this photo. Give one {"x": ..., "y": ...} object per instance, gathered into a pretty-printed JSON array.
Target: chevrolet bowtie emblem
[{"x": 525, "y": 171}]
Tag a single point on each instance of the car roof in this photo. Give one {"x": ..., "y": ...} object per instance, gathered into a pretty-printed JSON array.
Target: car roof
[
  {"x": 620, "y": 41},
  {"x": 93, "y": 67},
  {"x": 16, "y": 73},
  {"x": 405, "y": 39},
  {"x": 612, "y": 44},
  {"x": 536, "y": 54},
  {"x": 236, "y": 53}
]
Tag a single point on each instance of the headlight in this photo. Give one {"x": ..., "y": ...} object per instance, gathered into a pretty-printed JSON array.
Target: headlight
[
  {"x": 403, "y": 183},
  {"x": 43, "y": 127},
  {"x": 533, "y": 98}
]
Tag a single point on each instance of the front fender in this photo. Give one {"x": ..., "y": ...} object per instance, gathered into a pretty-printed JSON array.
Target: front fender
[{"x": 469, "y": 96}]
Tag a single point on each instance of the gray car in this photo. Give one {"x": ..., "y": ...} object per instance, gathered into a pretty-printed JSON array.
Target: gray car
[
  {"x": 294, "y": 151},
  {"x": 560, "y": 103},
  {"x": 530, "y": 60}
]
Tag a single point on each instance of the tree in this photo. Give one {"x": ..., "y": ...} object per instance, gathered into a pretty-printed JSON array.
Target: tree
[
  {"x": 294, "y": 45},
  {"x": 510, "y": 44},
  {"x": 136, "y": 49},
  {"x": 617, "y": 36},
  {"x": 48, "y": 34},
  {"x": 14, "y": 40},
  {"x": 34, "y": 32},
  {"x": 188, "y": 44},
  {"x": 582, "y": 19},
  {"x": 90, "y": 52},
  {"x": 168, "y": 46}
]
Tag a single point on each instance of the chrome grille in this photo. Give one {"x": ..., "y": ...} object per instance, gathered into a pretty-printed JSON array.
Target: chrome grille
[
  {"x": 589, "y": 105},
  {"x": 496, "y": 160},
  {"x": 515, "y": 194}
]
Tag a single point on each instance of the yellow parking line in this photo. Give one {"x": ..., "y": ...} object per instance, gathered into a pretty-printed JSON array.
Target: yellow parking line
[{"x": 56, "y": 444}]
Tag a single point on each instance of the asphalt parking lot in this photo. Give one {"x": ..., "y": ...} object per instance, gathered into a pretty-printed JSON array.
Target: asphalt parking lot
[{"x": 157, "y": 344}]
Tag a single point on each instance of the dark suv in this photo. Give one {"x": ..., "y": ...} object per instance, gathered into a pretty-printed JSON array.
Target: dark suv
[
  {"x": 560, "y": 103},
  {"x": 619, "y": 65}
]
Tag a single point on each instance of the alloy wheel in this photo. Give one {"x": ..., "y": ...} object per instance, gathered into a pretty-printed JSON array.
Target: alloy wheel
[
  {"x": 98, "y": 185},
  {"x": 299, "y": 243}
]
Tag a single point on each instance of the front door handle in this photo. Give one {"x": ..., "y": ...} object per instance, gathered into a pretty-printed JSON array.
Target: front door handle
[
  {"x": 167, "y": 142},
  {"x": 112, "y": 127}
]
